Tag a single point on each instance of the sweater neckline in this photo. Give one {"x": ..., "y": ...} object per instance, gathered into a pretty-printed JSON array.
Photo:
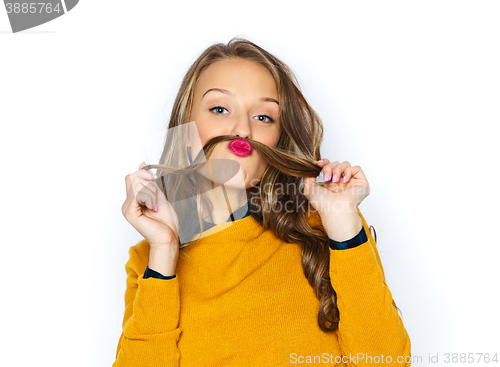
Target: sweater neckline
[
  {"x": 243, "y": 227},
  {"x": 240, "y": 213}
]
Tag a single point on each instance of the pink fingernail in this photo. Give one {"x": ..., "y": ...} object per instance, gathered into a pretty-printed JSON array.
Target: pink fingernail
[
  {"x": 345, "y": 179},
  {"x": 152, "y": 174},
  {"x": 326, "y": 176},
  {"x": 334, "y": 178},
  {"x": 156, "y": 208}
]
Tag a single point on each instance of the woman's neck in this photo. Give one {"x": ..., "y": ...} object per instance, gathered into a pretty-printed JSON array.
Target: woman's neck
[{"x": 222, "y": 201}]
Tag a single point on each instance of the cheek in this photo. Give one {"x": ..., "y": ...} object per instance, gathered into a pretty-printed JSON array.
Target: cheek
[
  {"x": 268, "y": 135},
  {"x": 202, "y": 132},
  {"x": 275, "y": 141},
  {"x": 272, "y": 140},
  {"x": 274, "y": 137}
]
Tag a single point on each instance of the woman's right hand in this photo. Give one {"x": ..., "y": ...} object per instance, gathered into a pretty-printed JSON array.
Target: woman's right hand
[{"x": 159, "y": 228}]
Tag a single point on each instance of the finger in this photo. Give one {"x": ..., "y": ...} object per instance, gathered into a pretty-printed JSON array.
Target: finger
[
  {"x": 339, "y": 170},
  {"x": 141, "y": 173},
  {"x": 357, "y": 172},
  {"x": 329, "y": 171},
  {"x": 351, "y": 172},
  {"x": 132, "y": 178},
  {"x": 145, "y": 198},
  {"x": 145, "y": 174},
  {"x": 308, "y": 181},
  {"x": 153, "y": 186},
  {"x": 321, "y": 162},
  {"x": 310, "y": 186},
  {"x": 164, "y": 205},
  {"x": 145, "y": 181},
  {"x": 142, "y": 170},
  {"x": 347, "y": 174},
  {"x": 128, "y": 189},
  {"x": 128, "y": 183},
  {"x": 147, "y": 188}
]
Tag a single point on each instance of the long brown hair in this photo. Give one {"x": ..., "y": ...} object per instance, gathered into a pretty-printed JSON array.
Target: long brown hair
[{"x": 298, "y": 145}]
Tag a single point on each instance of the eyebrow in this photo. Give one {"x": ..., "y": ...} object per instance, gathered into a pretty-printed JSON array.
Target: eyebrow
[{"x": 225, "y": 91}]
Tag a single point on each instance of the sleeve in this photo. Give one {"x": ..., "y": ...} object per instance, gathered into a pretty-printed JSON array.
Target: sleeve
[
  {"x": 150, "y": 329},
  {"x": 150, "y": 273},
  {"x": 370, "y": 331},
  {"x": 357, "y": 240}
]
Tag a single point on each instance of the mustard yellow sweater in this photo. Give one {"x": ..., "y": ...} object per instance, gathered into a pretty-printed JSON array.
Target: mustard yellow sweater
[{"x": 240, "y": 298}]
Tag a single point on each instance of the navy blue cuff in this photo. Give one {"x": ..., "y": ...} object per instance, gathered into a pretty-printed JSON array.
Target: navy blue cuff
[
  {"x": 150, "y": 273},
  {"x": 357, "y": 240}
]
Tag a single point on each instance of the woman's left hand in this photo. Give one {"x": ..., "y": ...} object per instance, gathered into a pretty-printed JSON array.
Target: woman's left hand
[{"x": 346, "y": 187}]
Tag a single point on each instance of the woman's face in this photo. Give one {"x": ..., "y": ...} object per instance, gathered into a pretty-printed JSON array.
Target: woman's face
[{"x": 237, "y": 97}]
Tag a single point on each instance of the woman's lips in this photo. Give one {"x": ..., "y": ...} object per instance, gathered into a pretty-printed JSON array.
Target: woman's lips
[{"x": 240, "y": 147}]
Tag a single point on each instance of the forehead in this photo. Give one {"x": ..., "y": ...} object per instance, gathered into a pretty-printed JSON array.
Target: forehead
[{"x": 238, "y": 75}]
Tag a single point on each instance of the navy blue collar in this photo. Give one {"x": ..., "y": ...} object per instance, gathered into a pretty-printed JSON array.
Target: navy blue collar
[{"x": 245, "y": 208}]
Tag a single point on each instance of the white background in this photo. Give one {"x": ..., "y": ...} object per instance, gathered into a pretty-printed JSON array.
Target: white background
[{"x": 407, "y": 90}]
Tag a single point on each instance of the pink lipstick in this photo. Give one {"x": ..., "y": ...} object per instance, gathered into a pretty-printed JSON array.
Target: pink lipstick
[{"x": 240, "y": 147}]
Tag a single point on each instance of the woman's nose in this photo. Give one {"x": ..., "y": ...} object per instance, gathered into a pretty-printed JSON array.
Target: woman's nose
[{"x": 242, "y": 128}]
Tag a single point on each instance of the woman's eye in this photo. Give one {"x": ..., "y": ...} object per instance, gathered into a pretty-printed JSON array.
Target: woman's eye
[
  {"x": 269, "y": 119},
  {"x": 218, "y": 109}
]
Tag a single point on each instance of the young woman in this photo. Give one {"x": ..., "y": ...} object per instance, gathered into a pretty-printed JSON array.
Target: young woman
[{"x": 257, "y": 265}]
